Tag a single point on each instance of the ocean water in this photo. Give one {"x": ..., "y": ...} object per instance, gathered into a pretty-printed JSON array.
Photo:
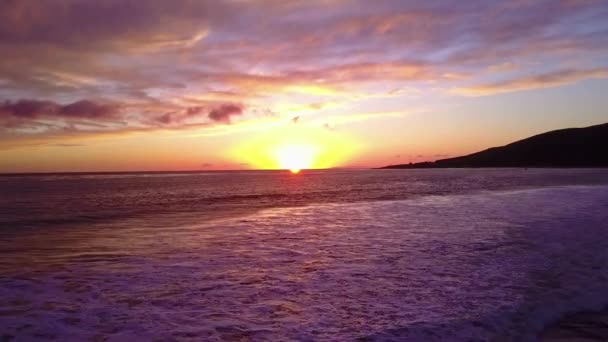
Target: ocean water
[{"x": 380, "y": 255}]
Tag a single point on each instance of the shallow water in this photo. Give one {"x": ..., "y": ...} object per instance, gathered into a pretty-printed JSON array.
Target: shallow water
[{"x": 379, "y": 255}]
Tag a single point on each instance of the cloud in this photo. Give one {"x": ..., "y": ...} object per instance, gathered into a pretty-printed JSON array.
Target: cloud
[
  {"x": 502, "y": 67},
  {"x": 132, "y": 24},
  {"x": 546, "y": 80},
  {"x": 89, "y": 110},
  {"x": 29, "y": 108},
  {"x": 224, "y": 112},
  {"x": 32, "y": 117},
  {"x": 15, "y": 113},
  {"x": 67, "y": 145},
  {"x": 124, "y": 65}
]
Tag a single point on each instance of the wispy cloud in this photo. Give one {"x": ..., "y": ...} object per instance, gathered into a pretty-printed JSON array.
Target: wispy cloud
[
  {"x": 546, "y": 80},
  {"x": 126, "y": 65}
]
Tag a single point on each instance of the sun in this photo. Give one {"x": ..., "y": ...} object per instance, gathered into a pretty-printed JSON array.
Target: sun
[
  {"x": 296, "y": 157},
  {"x": 294, "y": 148}
]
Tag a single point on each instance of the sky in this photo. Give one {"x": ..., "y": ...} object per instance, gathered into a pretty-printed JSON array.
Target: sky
[{"x": 128, "y": 85}]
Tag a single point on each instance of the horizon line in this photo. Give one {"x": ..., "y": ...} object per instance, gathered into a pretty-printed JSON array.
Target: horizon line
[{"x": 169, "y": 171}]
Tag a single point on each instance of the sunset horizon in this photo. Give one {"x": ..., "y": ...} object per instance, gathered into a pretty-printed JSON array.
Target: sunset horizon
[
  {"x": 122, "y": 86},
  {"x": 304, "y": 170},
  {"x": 295, "y": 165}
]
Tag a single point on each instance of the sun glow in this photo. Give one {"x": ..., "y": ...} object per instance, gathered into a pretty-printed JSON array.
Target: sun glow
[
  {"x": 295, "y": 148},
  {"x": 296, "y": 157}
]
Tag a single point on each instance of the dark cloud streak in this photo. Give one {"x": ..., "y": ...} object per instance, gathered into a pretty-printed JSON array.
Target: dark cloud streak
[
  {"x": 224, "y": 112},
  {"x": 84, "y": 109},
  {"x": 33, "y": 116}
]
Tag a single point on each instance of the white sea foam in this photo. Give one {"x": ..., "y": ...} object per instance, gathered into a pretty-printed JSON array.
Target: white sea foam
[{"x": 497, "y": 265}]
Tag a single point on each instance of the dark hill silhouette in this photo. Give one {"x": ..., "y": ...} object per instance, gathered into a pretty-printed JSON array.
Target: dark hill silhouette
[{"x": 571, "y": 147}]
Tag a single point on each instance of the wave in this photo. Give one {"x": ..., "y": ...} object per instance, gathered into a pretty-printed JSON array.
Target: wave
[{"x": 491, "y": 266}]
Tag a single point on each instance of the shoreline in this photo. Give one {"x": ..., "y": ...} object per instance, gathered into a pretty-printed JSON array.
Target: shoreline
[{"x": 578, "y": 326}]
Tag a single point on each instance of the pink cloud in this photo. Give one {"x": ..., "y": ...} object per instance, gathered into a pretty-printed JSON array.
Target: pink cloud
[
  {"x": 171, "y": 64},
  {"x": 546, "y": 80}
]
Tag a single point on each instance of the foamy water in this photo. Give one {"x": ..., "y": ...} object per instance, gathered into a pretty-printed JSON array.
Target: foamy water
[{"x": 490, "y": 265}]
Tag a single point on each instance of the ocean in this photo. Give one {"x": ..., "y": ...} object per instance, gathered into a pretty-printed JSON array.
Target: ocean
[{"x": 327, "y": 255}]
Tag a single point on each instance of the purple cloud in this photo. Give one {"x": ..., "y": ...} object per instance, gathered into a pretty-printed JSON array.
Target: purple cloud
[
  {"x": 33, "y": 116},
  {"x": 171, "y": 64},
  {"x": 110, "y": 23},
  {"x": 224, "y": 112},
  {"x": 33, "y": 109},
  {"x": 27, "y": 109}
]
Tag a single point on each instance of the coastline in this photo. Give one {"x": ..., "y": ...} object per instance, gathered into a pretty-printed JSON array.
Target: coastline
[{"x": 578, "y": 326}]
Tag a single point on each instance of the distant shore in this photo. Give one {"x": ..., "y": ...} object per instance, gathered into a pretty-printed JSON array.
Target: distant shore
[
  {"x": 419, "y": 166},
  {"x": 581, "y": 326},
  {"x": 564, "y": 148}
]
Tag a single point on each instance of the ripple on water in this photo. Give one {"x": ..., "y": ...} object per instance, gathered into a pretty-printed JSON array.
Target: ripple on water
[{"x": 466, "y": 266}]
